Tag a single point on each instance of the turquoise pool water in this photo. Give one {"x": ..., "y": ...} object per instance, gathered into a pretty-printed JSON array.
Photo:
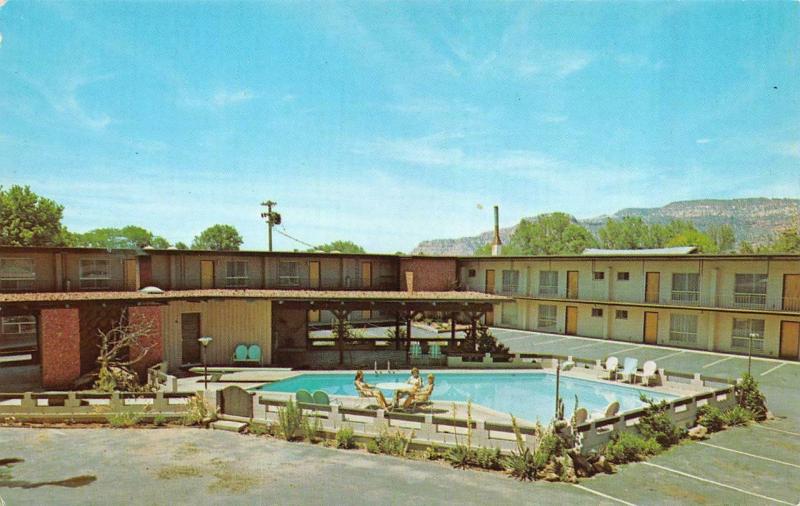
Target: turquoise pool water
[{"x": 529, "y": 396}]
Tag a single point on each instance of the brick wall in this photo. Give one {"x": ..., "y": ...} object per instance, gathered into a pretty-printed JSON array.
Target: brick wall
[
  {"x": 149, "y": 315},
  {"x": 430, "y": 274},
  {"x": 61, "y": 347}
]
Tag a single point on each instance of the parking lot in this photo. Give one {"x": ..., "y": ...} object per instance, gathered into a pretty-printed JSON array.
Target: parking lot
[{"x": 748, "y": 465}]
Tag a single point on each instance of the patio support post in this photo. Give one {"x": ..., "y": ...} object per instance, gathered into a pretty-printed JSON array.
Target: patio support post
[
  {"x": 408, "y": 335},
  {"x": 341, "y": 315},
  {"x": 397, "y": 331},
  {"x": 452, "y": 331}
]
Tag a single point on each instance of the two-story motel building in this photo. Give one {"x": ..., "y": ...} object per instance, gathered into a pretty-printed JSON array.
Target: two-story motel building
[{"x": 54, "y": 300}]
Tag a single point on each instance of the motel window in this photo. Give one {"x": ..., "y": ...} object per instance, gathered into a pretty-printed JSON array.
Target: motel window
[
  {"x": 18, "y": 333},
  {"x": 683, "y": 328},
  {"x": 17, "y": 274},
  {"x": 621, "y": 314},
  {"x": 598, "y": 275},
  {"x": 685, "y": 287},
  {"x": 742, "y": 329},
  {"x": 288, "y": 274},
  {"x": 597, "y": 312},
  {"x": 548, "y": 283},
  {"x": 509, "y": 314},
  {"x": 236, "y": 274},
  {"x": 510, "y": 281},
  {"x": 750, "y": 290},
  {"x": 471, "y": 273},
  {"x": 623, "y": 276},
  {"x": 547, "y": 317},
  {"x": 94, "y": 274}
]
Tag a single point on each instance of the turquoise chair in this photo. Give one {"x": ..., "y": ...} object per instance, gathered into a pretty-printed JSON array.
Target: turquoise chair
[
  {"x": 435, "y": 351},
  {"x": 415, "y": 350},
  {"x": 629, "y": 369},
  {"x": 304, "y": 396},
  {"x": 254, "y": 354},
  {"x": 240, "y": 353},
  {"x": 321, "y": 397}
]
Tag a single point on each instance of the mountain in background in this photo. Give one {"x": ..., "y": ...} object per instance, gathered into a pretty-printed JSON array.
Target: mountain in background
[{"x": 754, "y": 220}]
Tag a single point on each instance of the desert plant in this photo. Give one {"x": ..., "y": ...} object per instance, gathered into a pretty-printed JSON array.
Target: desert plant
[
  {"x": 258, "y": 429},
  {"x": 196, "y": 410},
  {"x": 159, "y": 419},
  {"x": 751, "y": 398},
  {"x": 737, "y": 415},
  {"x": 124, "y": 419},
  {"x": 629, "y": 447},
  {"x": 432, "y": 453},
  {"x": 487, "y": 458},
  {"x": 521, "y": 464},
  {"x": 311, "y": 427},
  {"x": 458, "y": 456},
  {"x": 656, "y": 423},
  {"x": 290, "y": 419},
  {"x": 710, "y": 417},
  {"x": 345, "y": 438},
  {"x": 373, "y": 447},
  {"x": 550, "y": 447},
  {"x": 394, "y": 443}
]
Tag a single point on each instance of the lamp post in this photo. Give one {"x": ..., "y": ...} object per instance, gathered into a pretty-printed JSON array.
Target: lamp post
[
  {"x": 753, "y": 335},
  {"x": 204, "y": 341},
  {"x": 558, "y": 381}
]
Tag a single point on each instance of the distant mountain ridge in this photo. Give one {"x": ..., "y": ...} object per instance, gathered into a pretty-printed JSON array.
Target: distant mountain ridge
[{"x": 754, "y": 220}]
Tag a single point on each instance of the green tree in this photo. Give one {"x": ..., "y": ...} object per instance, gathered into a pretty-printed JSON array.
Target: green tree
[
  {"x": 128, "y": 237},
  {"x": 788, "y": 241},
  {"x": 550, "y": 234},
  {"x": 340, "y": 246},
  {"x": 631, "y": 232},
  {"x": 27, "y": 219},
  {"x": 746, "y": 248},
  {"x": 181, "y": 245},
  {"x": 695, "y": 238},
  {"x": 219, "y": 238},
  {"x": 723, "y": 236}
]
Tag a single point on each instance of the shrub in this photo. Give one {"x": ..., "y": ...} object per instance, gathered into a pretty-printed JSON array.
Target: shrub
[
  {"x": 259, "y": 429},
  {"x": 656, "y": 424},
  {"x": 710, "y": 417},
  {"x": 550, "y": 447},
  {"x": 737, "y": 415},
  {"x": 372, "y": 446},
  {"x": 311, "y": 426},
  {"x": 290, "y": 417},
  {"x": 124, "y": 419},
  {"x": 196, "y": 410},
  {"x": 159, "y": 419},
  {"x": 432, "y": 453},
  {"x": 751, "y": 398},
  {"x": 458, "y": 456},
  {"x": 521, "y": 464},
  {"x": 629, "y": 447},
  {"x": 488, "y": 458},
  {"x": 345, "y": 438},
  {"x": 393, "y": 443}
]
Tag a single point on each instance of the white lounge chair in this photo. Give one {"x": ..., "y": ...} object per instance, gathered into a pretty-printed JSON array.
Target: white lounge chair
[
  {"x": 611, "y": 410},
  {"x": 610, "y": 371},
  {"x": 649, "y": 373},
  {"x": 628, "y": 374}
]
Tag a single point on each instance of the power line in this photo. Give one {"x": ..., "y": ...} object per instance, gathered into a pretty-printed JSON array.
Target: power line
[{"x": 285, "y": 234}]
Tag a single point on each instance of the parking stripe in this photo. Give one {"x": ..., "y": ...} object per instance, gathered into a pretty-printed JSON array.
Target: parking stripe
[
  {"x": 554, "y": 341},
  {"x": 583, "y": 346},
  {"x": 724, "y": 485},
  {"x": 760, "y": 426},
  {"x": 670, "y": 355},
  {"x": 718, "y": 362},
  {"x": 773, "y": 369},
  {"x": 627, "y": 349},
  {"x": 749, "y": 454},
  {"x": 603, "y": 495}
]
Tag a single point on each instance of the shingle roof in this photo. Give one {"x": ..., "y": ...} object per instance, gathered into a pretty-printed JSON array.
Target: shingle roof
[{"x": 292, "y": 295}]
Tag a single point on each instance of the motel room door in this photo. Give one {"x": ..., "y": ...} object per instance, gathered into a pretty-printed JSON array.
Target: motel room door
[
  {"x": 488, "y": 318},
  {"x": 190, "y": 333},
  {"x": 790, "y": 340},
  {"x": 571, "y": 324},
  {"x": 652, "y": 286},
  {"x": 650, "y": 327},
  {"x": 206, "y": 274},
  {"x": 131, "y": 275},
  {"x": 572, "y": 284},
  {"x": 366, "y": 275},
  {"x": 313, "y": 275},
  {"x": 791, "y": 292}
]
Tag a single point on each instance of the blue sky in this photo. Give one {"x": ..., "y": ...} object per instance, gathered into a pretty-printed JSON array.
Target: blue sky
[{"x": 389, "y": 123}]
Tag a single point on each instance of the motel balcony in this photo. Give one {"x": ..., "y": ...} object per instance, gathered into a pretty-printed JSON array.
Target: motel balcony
[{"x": 379, "y": 283}]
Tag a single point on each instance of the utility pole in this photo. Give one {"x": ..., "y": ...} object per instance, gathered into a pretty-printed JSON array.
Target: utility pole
[{"x": 272, "y": 219}]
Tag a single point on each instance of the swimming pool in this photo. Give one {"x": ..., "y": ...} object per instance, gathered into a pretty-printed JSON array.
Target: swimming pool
[{"x": 529, "y": 396}]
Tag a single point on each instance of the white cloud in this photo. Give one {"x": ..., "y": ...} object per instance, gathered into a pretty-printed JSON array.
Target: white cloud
[
  {"x": 553, "y": 118},
  {"x": 704, "y": 141},
  {"x": 220, "y": 99},
  {"x": 224, "y": 98},
  {"x": 790, "y": 149}
]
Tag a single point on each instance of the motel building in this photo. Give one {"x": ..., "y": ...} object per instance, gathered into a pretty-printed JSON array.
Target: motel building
[{"x": 53, "y": 301}]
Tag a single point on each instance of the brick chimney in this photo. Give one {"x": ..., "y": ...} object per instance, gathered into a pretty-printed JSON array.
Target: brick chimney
[{"x": 496, "y": 243}]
